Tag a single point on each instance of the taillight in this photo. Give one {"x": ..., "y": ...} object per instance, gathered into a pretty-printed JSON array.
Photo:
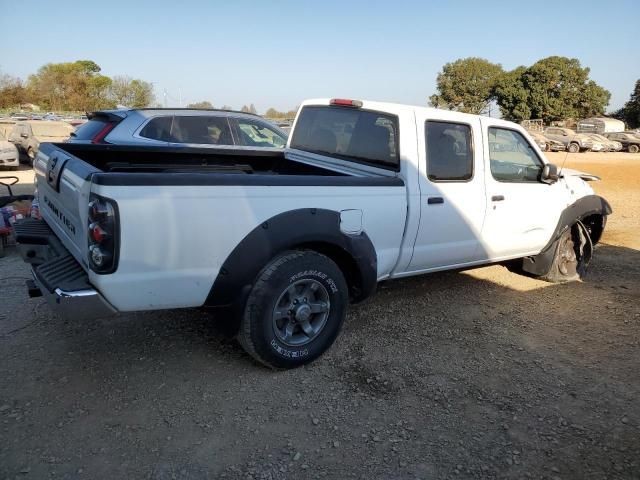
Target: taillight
[
  {"x": 99, "y": 137},
  {"x": 103, "y": 234},
  {"x": 346, "y": 103}
]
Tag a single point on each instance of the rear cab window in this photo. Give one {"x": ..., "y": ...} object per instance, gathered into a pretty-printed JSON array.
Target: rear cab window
[{"x": 355, "y": 134}]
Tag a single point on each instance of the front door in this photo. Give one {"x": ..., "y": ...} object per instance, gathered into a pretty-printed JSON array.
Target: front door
[
  {"x": 522, "y": 212},
  {"x": 452, "y": 193}
]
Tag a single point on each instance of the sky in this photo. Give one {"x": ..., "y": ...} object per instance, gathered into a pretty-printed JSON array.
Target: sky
[{"x": 278, "y": 53}]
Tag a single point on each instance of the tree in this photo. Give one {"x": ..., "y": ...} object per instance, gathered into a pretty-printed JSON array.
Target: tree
[
  {"x": 252, "y": 108},
  {"x": 244, "y": 109},
  {"x": 630, "y": 113},
  {"x": 512, "y": 96},
  {"x": 466, "y": 85},
  {"x": 203, "y": 104},
  {"x": 132, "y": 93},
  {"x": 554, "y": 88},
  {"x": 226, "y": 107},
  {"x": 70, "y": 86},
  {"x": 12, "y": 91}
]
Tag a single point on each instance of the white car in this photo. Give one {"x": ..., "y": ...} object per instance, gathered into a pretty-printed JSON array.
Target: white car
[
  {"x": 9, "y": 156},
  {"x": 364, "y": 192}
]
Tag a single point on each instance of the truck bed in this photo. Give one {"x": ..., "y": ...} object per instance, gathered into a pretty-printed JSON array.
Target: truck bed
[{"x": 143, "y": 159}]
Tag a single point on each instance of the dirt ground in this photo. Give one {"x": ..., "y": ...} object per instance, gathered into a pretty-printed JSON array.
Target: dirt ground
[{"x": 478, "y": 374}]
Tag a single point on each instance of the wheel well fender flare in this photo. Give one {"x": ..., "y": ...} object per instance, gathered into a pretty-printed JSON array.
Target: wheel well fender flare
[{"x": 307, "y": 228}]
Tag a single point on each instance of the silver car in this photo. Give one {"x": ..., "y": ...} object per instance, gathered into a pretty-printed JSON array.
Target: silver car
[{"x": 180, "y": 127}]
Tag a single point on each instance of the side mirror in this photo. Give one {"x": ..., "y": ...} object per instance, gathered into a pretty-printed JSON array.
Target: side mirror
[{"x": 549, "y": 174}]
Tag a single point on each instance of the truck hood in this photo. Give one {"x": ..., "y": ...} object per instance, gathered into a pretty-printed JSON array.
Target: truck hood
[{"x": 587, "y": 177}]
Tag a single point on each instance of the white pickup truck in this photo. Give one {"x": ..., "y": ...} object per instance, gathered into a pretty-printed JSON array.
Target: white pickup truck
[{"x": 363, "y": 192}]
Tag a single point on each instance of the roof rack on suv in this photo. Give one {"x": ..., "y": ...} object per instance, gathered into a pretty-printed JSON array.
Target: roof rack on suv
[{"x": 199, "y": 109}]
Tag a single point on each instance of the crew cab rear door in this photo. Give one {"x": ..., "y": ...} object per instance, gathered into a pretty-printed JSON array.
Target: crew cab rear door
[
  {"x": 522, "y": 211},
  {"x": 452, "y": 191}
]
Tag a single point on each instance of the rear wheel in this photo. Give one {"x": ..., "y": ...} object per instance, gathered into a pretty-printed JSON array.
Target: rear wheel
[
  {"x": 573, "y": 148},
  {"x": 634, "y": 148},
  {"x": 295, "y": 310}
]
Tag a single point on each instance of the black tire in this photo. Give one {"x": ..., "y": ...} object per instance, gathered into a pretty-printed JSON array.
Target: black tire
[
  {"x": 634, "y": 148},
  {"x": 266, "y": 330},
  {"x": 573, "y": 148}
]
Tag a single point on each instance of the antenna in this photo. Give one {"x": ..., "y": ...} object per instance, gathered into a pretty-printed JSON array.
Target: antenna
[{"x": 566, "y": 155}]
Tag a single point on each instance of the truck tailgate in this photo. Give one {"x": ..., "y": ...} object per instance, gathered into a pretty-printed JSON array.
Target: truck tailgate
[{"x": 63, "y": 183}]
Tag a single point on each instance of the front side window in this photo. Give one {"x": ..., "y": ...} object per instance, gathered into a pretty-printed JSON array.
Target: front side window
[
  {"x": 512, "y": 158},
  {"x": 363, "y": 136},
  {"x": 252, "y": 133},
  {"x": 449, "y": 151}
]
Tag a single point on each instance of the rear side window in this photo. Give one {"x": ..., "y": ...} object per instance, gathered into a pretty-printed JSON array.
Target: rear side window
[
  {"x": 158, "y": 128},
  {"x": 360, "y": 135},
  {"x": 201, "y": 130},
  {"x": 449, "y": 151},
  {"x": 88, "y": 130}
]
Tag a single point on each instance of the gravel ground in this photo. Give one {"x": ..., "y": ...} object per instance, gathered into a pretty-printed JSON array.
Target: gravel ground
[{"x": 476, "y": 374}]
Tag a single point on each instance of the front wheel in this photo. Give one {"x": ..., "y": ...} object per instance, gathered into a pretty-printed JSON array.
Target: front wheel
[
  {"x": 295, "y": 310},
  {"x": 573, "y": 253}
]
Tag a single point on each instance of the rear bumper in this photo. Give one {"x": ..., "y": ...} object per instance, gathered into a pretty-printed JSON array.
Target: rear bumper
[{"x": 60, "y": 279}]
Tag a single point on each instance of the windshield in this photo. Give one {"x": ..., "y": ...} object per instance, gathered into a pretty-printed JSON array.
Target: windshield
[
  {"x": 51, "y": 130},
  {"x": 351, "y": 133}
]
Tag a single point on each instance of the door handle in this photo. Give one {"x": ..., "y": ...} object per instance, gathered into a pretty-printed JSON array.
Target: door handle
[
  {"x": 497, "y": 198},
  {"x": 435, "y": 200}
]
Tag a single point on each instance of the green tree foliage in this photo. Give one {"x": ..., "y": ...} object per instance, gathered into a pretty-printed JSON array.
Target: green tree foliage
[
  {"x": 466, "y": 85},
  {"x": 70, "y": 86},
  {"x": 132, "y": 93},
  {"x": 273, "y": 113},
  {"x": 630, "y": 113},
  {"x": 12, "y": 92},
  {"x": 554, "y": 88},
  {"x": 512, "y": 95},
  {"x": 203, "y": 104}
]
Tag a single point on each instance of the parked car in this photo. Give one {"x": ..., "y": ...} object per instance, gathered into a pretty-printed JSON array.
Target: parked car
[
  {"x": 574, "y": 142},
  {"x": 629, "y": 141},
  {"x": 547, "y": 144},
  {"x": 180, "y": 127},
  {"x": 540, "y": 140},
  {"x": 610, "y": 145},
  {"x": 28, "y": 135},
  {"x": 285, "y": 239},
  {"x": 599, "y": 125},
  {"x": 9, "y": 157}
]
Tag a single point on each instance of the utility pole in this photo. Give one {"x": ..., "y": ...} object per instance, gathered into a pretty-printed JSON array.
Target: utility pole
[
  {"x": 164, "y": 93},
  {"x": 180, "y": 97}
]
